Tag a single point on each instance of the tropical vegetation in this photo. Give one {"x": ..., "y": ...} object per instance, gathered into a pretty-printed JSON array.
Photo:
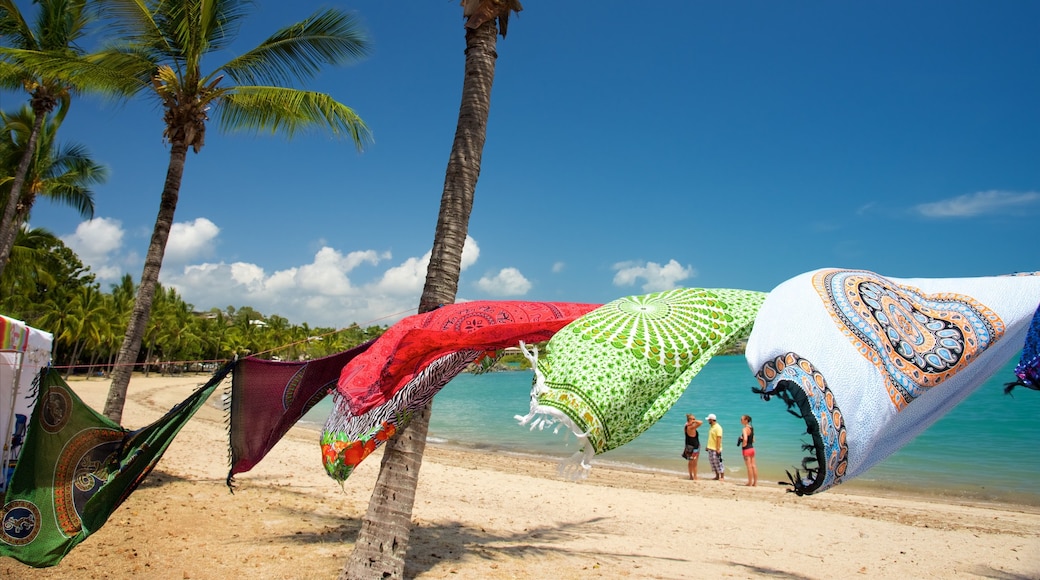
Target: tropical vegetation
[
  {"x": 60, "y": 295},
  {"x": 60, "y": 172},
  {"x": 54, "y": 34},
  {"x": 157, "y": 49}
]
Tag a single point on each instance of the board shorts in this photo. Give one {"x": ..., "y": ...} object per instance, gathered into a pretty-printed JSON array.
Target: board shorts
[
  {"x": 749, "y": 452},
  {"x": 689, "y": 451}
]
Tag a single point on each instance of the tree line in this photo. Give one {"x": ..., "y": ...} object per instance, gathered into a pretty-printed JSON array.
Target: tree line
[
  {"x": 53, "y": 291},
  {"x": 155, "y": 50}
]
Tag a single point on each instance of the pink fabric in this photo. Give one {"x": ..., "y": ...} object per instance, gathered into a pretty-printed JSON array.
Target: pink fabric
[{"x": 406, "y": 348}]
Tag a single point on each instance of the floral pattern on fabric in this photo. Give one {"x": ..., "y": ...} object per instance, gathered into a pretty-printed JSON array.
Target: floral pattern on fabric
[{"x": 348, "y": 439}]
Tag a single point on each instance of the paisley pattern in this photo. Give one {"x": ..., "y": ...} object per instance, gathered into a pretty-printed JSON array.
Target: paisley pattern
[
  {"x": 615, "y": 371},
  {"x": 869, "y": 362},
  {"x": 916, "y": 340},
  {"x": 795, "y": 380}
]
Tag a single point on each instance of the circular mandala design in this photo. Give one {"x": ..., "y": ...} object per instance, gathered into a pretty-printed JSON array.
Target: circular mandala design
[
  {"x": 669, "y": 328},
  {"x": 21, "y": 522},
  {"x": 56, "y": 408}
]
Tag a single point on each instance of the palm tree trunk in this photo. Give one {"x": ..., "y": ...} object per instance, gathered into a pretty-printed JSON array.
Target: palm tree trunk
[
  {"x": 382, "y": 542},
  {"x": 75, "y": 355},
  {"x": 127, "y": 357},
  {"x": 8, "y": 224}
]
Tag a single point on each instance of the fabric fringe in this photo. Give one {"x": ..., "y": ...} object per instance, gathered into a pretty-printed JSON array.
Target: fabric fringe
[
  {"x": 225, "y": 402},
  {"x": 798, "y": 405},
  {"x": 577, "y": 466}
]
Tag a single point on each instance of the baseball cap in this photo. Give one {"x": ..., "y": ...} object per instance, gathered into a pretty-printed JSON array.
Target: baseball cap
[{"x": 711, "y": 416}]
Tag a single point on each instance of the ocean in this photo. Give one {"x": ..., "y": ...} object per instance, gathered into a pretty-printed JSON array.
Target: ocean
[{"x": 982, "y": 450}]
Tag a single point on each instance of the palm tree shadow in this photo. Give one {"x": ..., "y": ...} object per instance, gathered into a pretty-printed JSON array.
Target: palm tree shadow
[
  {"x": 157, "y": 479},
  {"x": 984, "y": 571},
  {"x": 431, "y": 545}
]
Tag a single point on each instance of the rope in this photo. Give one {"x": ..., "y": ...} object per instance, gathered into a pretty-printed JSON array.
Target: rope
[{"x": 222, "y": 361}]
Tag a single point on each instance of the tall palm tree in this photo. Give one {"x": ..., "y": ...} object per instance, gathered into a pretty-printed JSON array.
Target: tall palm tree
[
  {"x": 160, "y": 49},
  {"x": 61, "y": 172},
  {"x": 383, "y": 539},
  {"x": 59, "y": 25}
]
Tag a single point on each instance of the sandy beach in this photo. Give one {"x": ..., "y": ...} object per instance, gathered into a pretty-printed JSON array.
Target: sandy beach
[{"x": 484, "y": 515}]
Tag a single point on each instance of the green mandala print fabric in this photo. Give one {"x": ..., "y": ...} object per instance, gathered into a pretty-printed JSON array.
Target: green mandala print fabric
[{"x": 612, "y": 373}]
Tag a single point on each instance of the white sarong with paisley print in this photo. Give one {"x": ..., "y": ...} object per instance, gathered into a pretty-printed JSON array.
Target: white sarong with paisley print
[{"x": 870, "y": 362}]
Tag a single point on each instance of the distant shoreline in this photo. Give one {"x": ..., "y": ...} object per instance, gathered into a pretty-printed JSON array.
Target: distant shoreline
[{"x": 1026, "y": 502}]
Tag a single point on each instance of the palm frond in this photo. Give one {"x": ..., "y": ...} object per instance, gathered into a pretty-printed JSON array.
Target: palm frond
[
  {"x": 220, "y": 23},
  {"x": 298, "y": 51},
  {"x": 65, "y": 193},
  {"x": 14, "y": 30},
  {"x": 11, "y": 75},
  {"x": 133, "y": 21},
  {"x": 61, "y": 23},
  {"x": 288, "y": 111},
  {"x": 108, "y": 73}
]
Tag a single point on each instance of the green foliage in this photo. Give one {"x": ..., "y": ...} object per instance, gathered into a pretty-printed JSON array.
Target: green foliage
[{"x": 48, "y": 287}]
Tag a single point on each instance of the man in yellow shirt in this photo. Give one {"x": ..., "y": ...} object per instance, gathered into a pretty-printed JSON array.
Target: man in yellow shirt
[{"x": 715, "y": 447}]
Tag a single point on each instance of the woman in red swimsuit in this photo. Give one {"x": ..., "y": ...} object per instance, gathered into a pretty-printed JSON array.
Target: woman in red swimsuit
[{"x": 747, "y": 444}]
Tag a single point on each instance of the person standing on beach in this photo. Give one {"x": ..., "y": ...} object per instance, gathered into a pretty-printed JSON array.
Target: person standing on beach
[
  {"x": 692, "y": 450},
  {"x": 715, "y": 447},
  {"x": 747, "y": 444}
]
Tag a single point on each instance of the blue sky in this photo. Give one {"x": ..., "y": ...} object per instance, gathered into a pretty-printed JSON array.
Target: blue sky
[{"x": 686, "y": 143}]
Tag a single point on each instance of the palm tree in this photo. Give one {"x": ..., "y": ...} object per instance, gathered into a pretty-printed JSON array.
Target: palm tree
[
  {"x": 62, "y": 173},
  {"x": 58, "y": 27},
  {"x": 31, "y": 271},
  {"x": 383, "y": 539},
  {"x": 160, "y": 49}
]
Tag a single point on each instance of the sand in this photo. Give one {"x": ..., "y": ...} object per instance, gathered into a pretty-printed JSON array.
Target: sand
[{"x": 484, "y": 515}]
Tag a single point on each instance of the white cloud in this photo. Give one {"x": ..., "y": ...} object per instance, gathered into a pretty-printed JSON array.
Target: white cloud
[
  {"x": 558, "y": 267},
  {"x": 97, "y": 243},
  {"x": 410, "y": 276},
  {"x": 658, "y": 278},
  {"x": 470, "y": 253},
  {"x": 190, "y": 241},
  {"x": 321, "y": 293},
  {"x": 327, "y": 275},
  {"x": 979, "y": 203},
  {"x": 329, "y": 291},
  {"x": 508, "y": 282}
]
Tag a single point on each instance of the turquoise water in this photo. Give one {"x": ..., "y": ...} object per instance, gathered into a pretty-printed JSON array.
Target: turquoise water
[{"x": 984, "y": 449}]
